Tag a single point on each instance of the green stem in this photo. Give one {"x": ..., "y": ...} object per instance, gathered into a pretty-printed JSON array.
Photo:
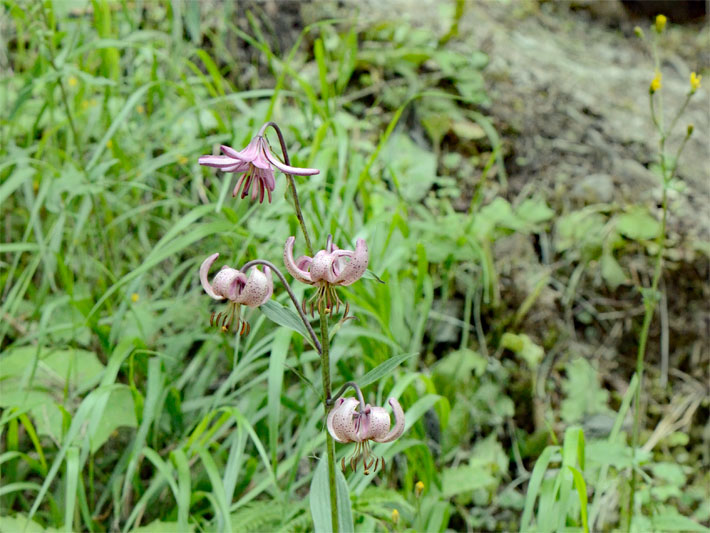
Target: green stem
[
  {"x": 291, "y": 184},
  {"x": 329, "y": 444}
]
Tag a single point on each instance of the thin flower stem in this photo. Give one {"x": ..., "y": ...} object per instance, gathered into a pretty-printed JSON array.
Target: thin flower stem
[
  {"x": 329, "y": 444},
  {"x": 304, "y": 319},
  {"x": 650, "y": 298},
  {"x": 291, "y": 183},
  {"x": 342, "y": 390}
]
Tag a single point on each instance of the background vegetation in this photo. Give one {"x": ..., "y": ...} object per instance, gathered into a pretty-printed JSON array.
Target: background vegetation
[{"x": 512, "y": 304}]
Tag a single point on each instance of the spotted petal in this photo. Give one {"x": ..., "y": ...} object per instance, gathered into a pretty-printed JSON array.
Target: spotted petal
[
  {"x": 340, "y": 422},
  {"x": 258, "y": 288},
  {"x": 357, "y": 265},
  {"x": 398, "y": 428},
  {"x": 301, "y": 275}
]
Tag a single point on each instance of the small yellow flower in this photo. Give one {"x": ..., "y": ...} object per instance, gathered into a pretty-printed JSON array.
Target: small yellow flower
[
  {"x": 109, "y": 144},
  {"x": 638, "y": 31},
  {"x": 395, "y": 516},
  {"x": 694, "y": 82},
  {"x": 72, "y": 81},
  {"x": 135, "y": 297},
  {"x": 661, "y": 23},
  {"x": 183, "y": 160},
  {"x": 418, "y": 488},
  {"x": 140, "y": 109},
  {"x": 655, "y": 82}
]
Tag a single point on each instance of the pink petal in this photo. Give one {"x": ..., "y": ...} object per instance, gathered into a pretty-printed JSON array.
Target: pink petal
[
  {"x": 228, "y": 283},
  {"x": 354, "y": 270},
  {"x": 251, "y": 151},
  {"x": 341, "y": 425},
  {"x": 322, "y": 267},
  {"x": 257, "y": 290},
  {"x": 231, "y": 152},
  {"x": 398, "y": 428},
  {"x": 293, "y": 269},
  {"x": 286, "y": 169},
  {"x": 204, "y": 271},
  {"x": 218, "y": 161},
  {"x": 331, "y": 417},
  {"x": 379, "y": 423}
]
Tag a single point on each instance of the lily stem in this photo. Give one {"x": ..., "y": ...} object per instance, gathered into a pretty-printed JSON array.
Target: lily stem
[
  {"x": 291, "y": 183},
  {"x": 332, "y": 399},
  {"x": 304, "y": 319},
  {"x": 329, "y": 444}
]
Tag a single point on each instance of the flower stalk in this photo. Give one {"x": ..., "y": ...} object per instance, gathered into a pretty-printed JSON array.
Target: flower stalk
[
  {"x": 329, "y": 444},
  {"x": 291, "y": 183}
]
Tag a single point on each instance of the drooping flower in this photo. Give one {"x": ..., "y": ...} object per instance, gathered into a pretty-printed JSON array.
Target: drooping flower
[
  {"x": 329, "y": 268},
  {"x": 257, "y": 163},
  {"x": 347, "y": 424},
  {"x": 233, "y": 285}
]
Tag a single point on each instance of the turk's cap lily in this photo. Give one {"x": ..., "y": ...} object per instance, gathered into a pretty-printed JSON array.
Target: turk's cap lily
[
  {"x": 330, "y": 265},
  {"x": 257, "y": 163},
  {"x": 233, "y": 285},
  {"x": 346, "y": 424}
]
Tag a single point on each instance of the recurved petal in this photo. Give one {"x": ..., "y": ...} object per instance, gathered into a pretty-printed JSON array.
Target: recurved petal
[
  {"x": 322, "y": 267},
  {"x": 204, "y": 271},
  {"x": 287, "y": 169},
  {"x": 251, "y": 151},
  {"x": 341, "y": 425},
  {"x": 398, "y": 428},
  {"x": 354, "y": 270},
  {"x": 258, "y": 288},
  {"x": 379, "y": 423},
  {"x": 228, "y": 283},
  {"x": 231, "y": 152},
  {"x": 301, "y": 275},
  {"x": 217, "y": 161}
]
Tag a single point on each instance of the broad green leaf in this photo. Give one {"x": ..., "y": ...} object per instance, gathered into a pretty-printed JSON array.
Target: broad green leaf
[
  {"x": 283, "y": 316},
  {"x": 466, "y": 479},
  {"x": 319, "y": 498},
  {"x": 119, "y": 412},
  {"x": 638, "y": 224},
  {"x": 612, "y": 272}
]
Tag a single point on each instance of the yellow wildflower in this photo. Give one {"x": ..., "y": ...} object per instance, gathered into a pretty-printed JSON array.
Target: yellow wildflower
[
  {"x": 109, "y": 144},
  {"x": 135, "y": 297},
  {"x": 418, "y": 488},
  {"x": 183, "y": 160},
  {"x": 140, "y": 109},
  {"x": 395, "y": 516},
  {"x": 72, "y": 81},
  {"x": 655, "y": 82},
  {"x": 661, "y": 23},
  {"x": 694, "y": 82}
]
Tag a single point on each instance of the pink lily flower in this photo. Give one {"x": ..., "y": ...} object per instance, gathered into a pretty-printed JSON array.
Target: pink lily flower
[
  {"x": 257, "y": 163},
  {"x": 329, "y": 268},
  {"x": 233, "y": 285},
  {"x": 346, "y": 424}
]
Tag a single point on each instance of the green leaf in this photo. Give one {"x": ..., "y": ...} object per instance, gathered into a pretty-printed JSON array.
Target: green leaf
[
  {"x": 320, "y": 500},
  {"x": 465, "y": 479},
  {"x": 638, "y": 224},
  {"x": 119, "y": 412},
  {"x": 459, "y": 364},
  {"x": 583, "y": 394},
  {"x": 524, "y": 347},
  {"x": 676, "y": 522},
  {"x": 283, "y": 316},
  {"x": 383, "y": 369},
  {"x": 581, "y": 487},
  {"x": 612, "y": 272}
]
